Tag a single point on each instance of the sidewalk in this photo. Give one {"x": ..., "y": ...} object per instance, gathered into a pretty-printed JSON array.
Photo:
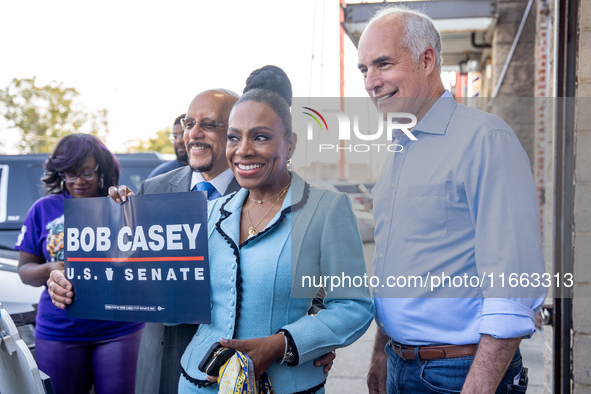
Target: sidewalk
[{"x": 350, "y": 367}]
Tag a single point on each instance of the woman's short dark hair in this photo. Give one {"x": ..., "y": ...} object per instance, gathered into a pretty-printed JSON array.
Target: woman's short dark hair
[
  {"x": 70, "y": 154},
  {"x": 270, "y": 86}
]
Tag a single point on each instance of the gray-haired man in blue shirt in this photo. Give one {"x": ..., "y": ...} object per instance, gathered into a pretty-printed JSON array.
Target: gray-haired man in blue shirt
[{"x": 457, "y": 204}]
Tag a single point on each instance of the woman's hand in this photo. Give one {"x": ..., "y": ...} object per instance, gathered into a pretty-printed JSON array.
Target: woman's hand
[
  {"x": 119, "y": 194},
  {"x": 59, "y": 289},
  {"x": 262, "y": 351},
  {"x": 265, "y": 351}
]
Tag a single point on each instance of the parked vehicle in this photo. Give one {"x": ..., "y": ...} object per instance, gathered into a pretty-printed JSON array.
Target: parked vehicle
[
  {"x": 366, "y": 225},
  {"x": 359, "y": 192},
  {"x": 361, "y": 200},
  {"x": 20, "y": 187},
  {"x": 356, "y": 191},
  {"x": 367, "y": 187}
]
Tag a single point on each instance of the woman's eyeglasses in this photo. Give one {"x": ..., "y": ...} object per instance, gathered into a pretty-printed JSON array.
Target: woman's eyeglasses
[
  {"x": 207, "y": 125},
  {"x": 86, "y": 175}
]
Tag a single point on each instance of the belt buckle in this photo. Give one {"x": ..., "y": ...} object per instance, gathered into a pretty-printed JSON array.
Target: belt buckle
[{"x": 398, "y": 349}]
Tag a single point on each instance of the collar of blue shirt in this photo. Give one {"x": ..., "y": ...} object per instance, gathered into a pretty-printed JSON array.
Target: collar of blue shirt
[
  {"x": 220, "y": 182},
  {"x": 437, "y": 118}
]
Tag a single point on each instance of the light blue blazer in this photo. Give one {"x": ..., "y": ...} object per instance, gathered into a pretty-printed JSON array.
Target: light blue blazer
[{"x": 254, "y": 293}]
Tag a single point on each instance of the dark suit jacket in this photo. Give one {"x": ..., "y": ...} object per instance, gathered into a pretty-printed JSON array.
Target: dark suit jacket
[
  {"x": 159, "y": 359},
  {"x": 178, "y": 180}
]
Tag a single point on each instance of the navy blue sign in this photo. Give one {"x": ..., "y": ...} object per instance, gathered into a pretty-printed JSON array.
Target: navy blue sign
[{"x": 144, "y": 261}]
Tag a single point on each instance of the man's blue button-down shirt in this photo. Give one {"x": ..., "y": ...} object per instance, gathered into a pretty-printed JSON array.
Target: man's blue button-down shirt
[{"x": 460, "y": 202}]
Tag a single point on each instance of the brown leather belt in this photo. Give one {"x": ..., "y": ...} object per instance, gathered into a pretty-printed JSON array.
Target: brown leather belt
[{"x": 433, "y": 352}]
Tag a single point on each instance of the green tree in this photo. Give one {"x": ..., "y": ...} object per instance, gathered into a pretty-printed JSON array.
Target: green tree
[
  {"x": 161, "y": 143},
  {"x": 44, "y": 114}
]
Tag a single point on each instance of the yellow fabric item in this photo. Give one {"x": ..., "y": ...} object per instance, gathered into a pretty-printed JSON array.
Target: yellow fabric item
[{"x": 237, "y": 377}]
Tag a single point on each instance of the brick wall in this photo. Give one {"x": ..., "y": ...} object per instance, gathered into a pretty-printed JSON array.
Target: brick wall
[
  {"x": 540, "y": 166},
  {"x": 517, "y": 107},
  {"x": 542, "y": 103}
]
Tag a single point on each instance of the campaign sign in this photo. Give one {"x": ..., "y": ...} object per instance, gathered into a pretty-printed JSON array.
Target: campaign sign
[{"x": 144, "y": 261}]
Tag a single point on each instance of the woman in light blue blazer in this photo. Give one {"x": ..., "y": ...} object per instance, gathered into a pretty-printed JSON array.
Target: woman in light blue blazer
[
  {"x": 297, "y": 232},
  {"x": 269, "y": 245}
]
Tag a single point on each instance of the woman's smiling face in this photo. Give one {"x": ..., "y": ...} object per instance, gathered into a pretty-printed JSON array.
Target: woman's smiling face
[{"x": 257, "y": 147}]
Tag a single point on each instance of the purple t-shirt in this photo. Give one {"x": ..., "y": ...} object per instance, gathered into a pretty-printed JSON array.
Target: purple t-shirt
[{"x": 42, "y": 234}]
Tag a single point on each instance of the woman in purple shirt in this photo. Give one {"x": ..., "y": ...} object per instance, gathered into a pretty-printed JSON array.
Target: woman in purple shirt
[{"x": 75, "y": 353}]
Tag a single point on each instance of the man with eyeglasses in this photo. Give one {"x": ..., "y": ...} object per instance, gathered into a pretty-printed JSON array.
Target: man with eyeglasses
[
  {"x": 176, "y": 137},
  {"x": 205, "y": 135},
  {"x": 205, "y": 126}
]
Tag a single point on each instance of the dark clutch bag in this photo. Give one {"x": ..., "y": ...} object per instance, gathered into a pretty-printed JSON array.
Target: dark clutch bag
[{"x": 216, "y": 356}]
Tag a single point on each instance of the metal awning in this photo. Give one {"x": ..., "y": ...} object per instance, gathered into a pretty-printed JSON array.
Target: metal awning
[{"x": 456, "y": 20}]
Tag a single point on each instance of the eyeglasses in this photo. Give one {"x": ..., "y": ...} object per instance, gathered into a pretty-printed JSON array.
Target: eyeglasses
[
  {"x": 173, "y": 137},
  {"x": 86, "y": 175},
  {"x": 207, "y": 125}
]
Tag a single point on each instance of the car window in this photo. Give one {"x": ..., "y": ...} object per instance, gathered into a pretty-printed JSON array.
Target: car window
[
  {"x": 22, "y": 190},
  {"x": 132, "y": 176},
  {"x": 3, "y": 192},
  {"x": 347, "y": 188},
  {"x": 35, "y": 172}
]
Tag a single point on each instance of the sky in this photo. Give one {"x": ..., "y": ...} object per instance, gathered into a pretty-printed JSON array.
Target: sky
[{"x": 144, "y": 61}]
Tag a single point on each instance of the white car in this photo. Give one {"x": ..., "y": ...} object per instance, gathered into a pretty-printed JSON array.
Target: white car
[
  {"x": 361, "y": 202},
  {"x": 19, "y": 300},
  {"x": 366, "y": 225}
]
